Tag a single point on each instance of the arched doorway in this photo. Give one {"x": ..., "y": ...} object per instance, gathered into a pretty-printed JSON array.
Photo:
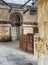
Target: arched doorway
[{"x": 16, "y": 19}]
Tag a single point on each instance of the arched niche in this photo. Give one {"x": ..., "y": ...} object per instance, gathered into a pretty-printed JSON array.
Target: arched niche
[{"x": 16, "y": 18}]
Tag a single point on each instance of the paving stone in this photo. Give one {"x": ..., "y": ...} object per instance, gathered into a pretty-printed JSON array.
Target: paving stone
[
  {"x": 17, "y": 59},
  {"x": 11, "y": 56},
  {"x": 28, "y": 64}
]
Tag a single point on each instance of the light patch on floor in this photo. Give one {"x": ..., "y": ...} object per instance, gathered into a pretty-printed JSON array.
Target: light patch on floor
[{"x": 13, "y": 56}]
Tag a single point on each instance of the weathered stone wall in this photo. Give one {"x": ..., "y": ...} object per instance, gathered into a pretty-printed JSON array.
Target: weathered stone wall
[
  {"x": 43, "y": 21},
  {"x": 43, "y": 32},
  {"x": 29, "y": 18},
  {"x": 5, "y": 32},
  {"x": 27, "y": 29},
  {"x": 4, "y": 15},
  {"x": 25, "y": 18}
]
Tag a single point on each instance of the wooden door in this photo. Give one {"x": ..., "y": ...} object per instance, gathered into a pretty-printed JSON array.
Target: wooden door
[{"x": 35, "y": 30}]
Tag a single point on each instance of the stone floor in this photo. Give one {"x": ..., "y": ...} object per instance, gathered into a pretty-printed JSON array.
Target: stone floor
[{"x": 10, "y": 54}]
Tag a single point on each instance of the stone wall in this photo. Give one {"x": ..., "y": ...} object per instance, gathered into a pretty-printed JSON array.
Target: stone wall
[
  {"x": 27, "y": 29},
  {"x": 43, "y": 21},
  {"x": 5, "y": 16},
  {"x": 43, "y": 32},
  {"x": 4, "y": 13},
  {"x": 25, "y": 18},
  {"x": 29, "y": 18},
  {"x": 5, "y": 32}
]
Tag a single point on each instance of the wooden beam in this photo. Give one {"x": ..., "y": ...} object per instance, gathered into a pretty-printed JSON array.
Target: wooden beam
[
  {"x": 25, "y": 11},
  {"x": 7, "y": 5},
  {"x": 31, "y": 9},
  {"x": 24, "y": 4}
]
